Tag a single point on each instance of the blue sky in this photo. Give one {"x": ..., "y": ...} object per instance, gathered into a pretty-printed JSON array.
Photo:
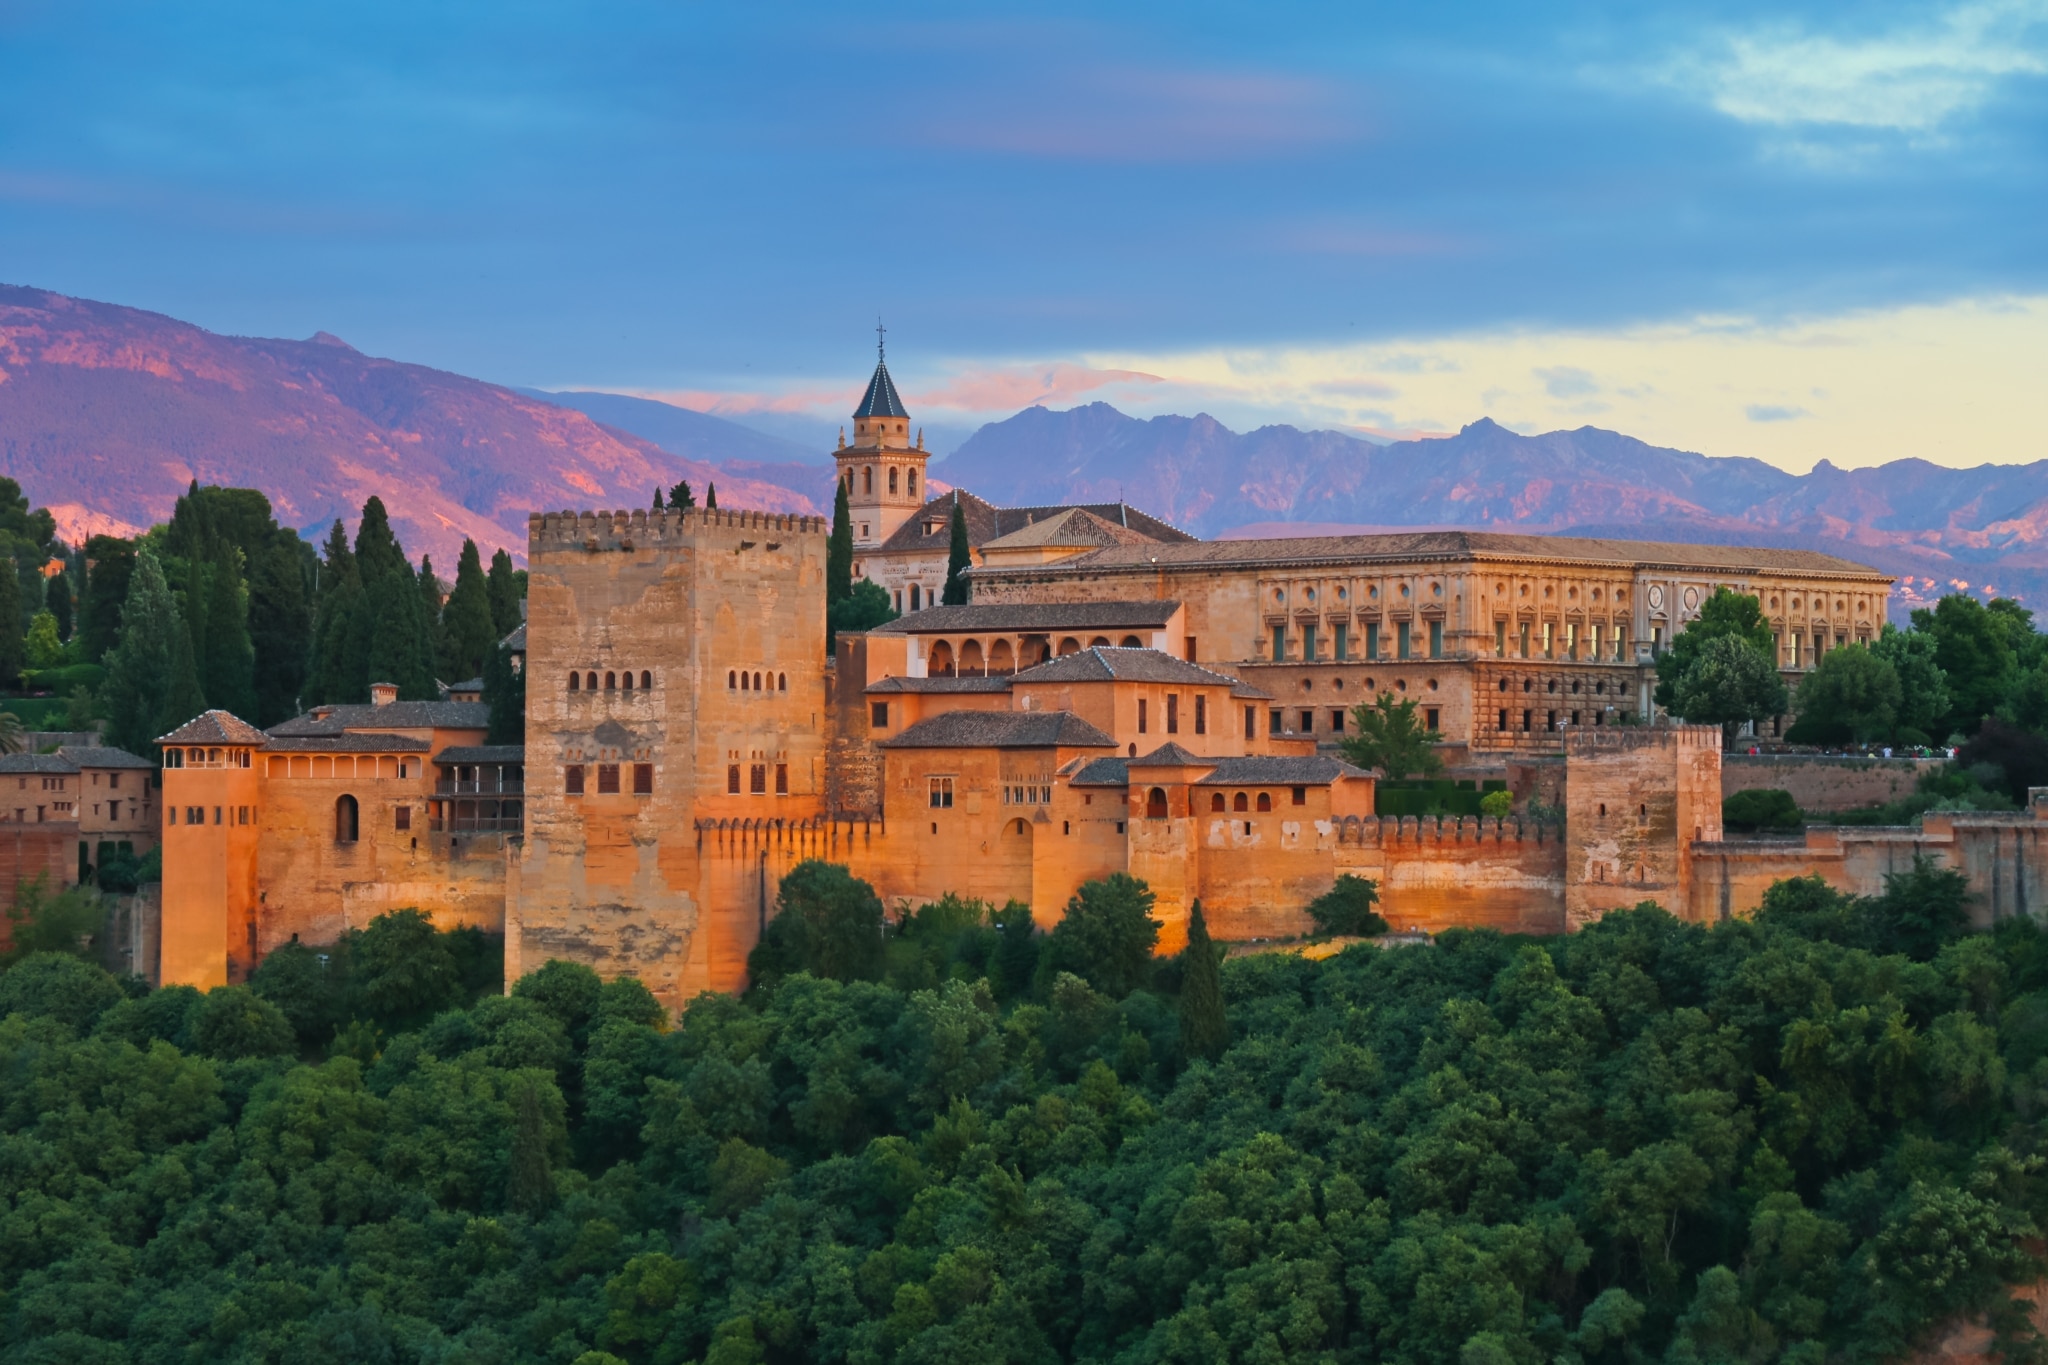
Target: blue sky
[{"x": 1798, "y": 233}]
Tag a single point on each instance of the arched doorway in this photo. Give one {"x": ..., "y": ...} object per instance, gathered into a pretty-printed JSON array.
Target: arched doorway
[
  {"x": 346, "y": 822},
  {"x": 970, "y": 660},
  {"x": 1155, "y": 804},
  {"x": 1000, "y": 658},
  {"x": 941, "y": 665}
]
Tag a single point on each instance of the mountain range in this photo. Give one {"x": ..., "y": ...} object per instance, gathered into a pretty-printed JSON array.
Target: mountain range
[{"x": 107, "y": 413}]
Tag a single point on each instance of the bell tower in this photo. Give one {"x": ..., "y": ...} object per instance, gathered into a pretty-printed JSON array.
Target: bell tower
[{"x": 882, "y": 470}]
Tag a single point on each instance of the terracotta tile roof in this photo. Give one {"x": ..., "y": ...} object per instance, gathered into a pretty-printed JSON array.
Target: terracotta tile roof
[
  {"x": 1103, "y": 772},
  {"x": 482, "y": 753},
  {"x": 355, "y": 742},
  {"x": 1112, "y": 664},
  {"x": 1275, "y": 770},
  {"x": 1075, "y": 526},
  {"x": 102, "y": 756},
  {"x": 1002, "y": 730},
  {"x": 987, "y": 522},
  {"x": 1450, "y": 545},
  {"x": 215, "y": 727},
  {"x": 1171, "y": 755},
  {"x": 397, "y": 715},
  {"x": 1028, "y": 617},
  {"x": 999, "y": 683}
]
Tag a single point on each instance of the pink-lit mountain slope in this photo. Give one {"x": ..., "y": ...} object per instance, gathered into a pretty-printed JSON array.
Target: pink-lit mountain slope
[
  {"x": 107, "y": 413},
  {"x": 1985, "y": 528}
]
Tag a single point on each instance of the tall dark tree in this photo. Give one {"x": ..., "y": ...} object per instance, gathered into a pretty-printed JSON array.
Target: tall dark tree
[
  {"x": 680, "y": 498},
  {"x": 227, "y": 669},
  {"x": 1106, "y": 935},
  {"x": 657, "y": 499},
  {"x": 506, "y": 593},
  {"x": 468, "y": 634},
  {"x": 839, "y": 550},
  {"x": 433, "y": 593},
  {"x": 57, "y": 599},
  {"x": 334, "y": 612},
  {"x": 959, "y": 558},
  {"x": 111, "y": 562},
  {"x": 152, "y": 684},
  {"x": 280, "y": 627},
  {"x": 1204, "y": 1030},
  {"x": 505, "y": 692},
  {"x": 710, "y": 497},
  {"x": 12, "y": 637},
  {"x": 387, "y": 640}
]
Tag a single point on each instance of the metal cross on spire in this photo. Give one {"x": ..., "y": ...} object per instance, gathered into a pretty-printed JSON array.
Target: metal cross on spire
[{"x": 881, "y": 354}]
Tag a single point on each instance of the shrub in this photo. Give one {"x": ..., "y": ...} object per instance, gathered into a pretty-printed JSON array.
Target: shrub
[
  {"x": 1499, "y": 805},
  {"x": 1347, "y": 907},
  {"x": 1761, "y": 808}
]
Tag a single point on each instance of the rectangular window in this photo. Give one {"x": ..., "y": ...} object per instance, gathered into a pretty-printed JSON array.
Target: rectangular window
[
  {"x": 1279, "y": 644},
  {"x": 757, "y": 779},
  {"x": 1503, "y": 726},
  {"x": 1429, "y": 719},
  {"x": 1308, "y": 722},
  {"x": 1201, "y": 714},
  {"x": 1308, "y": 643},
  {"x": 1620, "y": 643},
  {"x": 1571, "y": 640},
  {"x": 1500, "y": 639},
  {"x": 401, "y": 815},
  {"x": 1251, "y": 722},
  {"x": 1522, "y": 634},
  {"x": 572, "y": 779},
  {"x": 1401, "y": 639},
  {"x": 732, "y": 779},
  {"x": 878, "y": 715},
  {"x": 114, "y": 781},
  {"x": 216, "y": 815},
  {"x": 1273, "y": 722},
  {"x": 607, "y": 779},
  {"x": 1301, "y": 796},
  {"x": 782, "y": 779},
  {"x": 1549, "y": 640},
  {"x": 942, "y": 793},
  {"x": 1593, "y": 641},
  {"x": 1336, "y": 720},
  {"x": 1372, "y": 639},
  {"x": 1172, "y": 715},
  {"x": 1527, "y": 716},
  {"x": 1141, "y": 715},
  {"x": 643, "y": 779},
  {"x": 170, "y": 815},
  {"x": 1436, "y": 639},
  {"x": 1656, "y": 641},
  {"x": 1551, "y": 722},
  {"x": 1340, "y": 642},
  {"x": 1188, "y": 646}
]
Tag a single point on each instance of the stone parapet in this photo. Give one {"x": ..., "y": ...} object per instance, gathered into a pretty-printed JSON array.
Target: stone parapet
[{"x": 642, "y": 527}]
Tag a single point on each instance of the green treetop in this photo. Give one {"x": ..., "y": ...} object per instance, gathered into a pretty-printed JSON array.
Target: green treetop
[
  {"x": 839, "y": 550},
  {"x": 1388, "y": 734},
  {"x": 959, "y": 558}
]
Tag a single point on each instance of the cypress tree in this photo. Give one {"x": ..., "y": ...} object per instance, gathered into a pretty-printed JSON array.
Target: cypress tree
[
  {"x": 152, "y": 685},
  {"x": 1204, "y": 1031},
  {"x": 680, "y": 498},
  {"x": 839, "y": 551},
  {"x": 657, "y": 498},
  {"x": 958, "y": 559},
  {"x": 58, "y": 602},
  {"x": 530, "y": 1181},
  {"x": 111, "y": 563},
  {"x": 189, "y": 577},
  {"x": 710, "y": 497},
  {"x": 505, "y": 692},
  {"x": 227, "y": 669},
  {"x": 505, "y": 593},
  {"x": 11, "y": 638},
  {"x": 468, "y": 633},
  {"x": 333, "y": 616},
  {"x": 433, "y": 593},
  {"x": 280, "y": 627}
]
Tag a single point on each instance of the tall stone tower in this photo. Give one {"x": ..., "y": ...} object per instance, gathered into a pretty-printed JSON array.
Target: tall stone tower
[{"x": 882, "y": 470}]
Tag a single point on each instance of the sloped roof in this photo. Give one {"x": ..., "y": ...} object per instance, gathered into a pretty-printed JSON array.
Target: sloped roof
[
  {"x": 396, "y": 715},
  {"x": 1002, "y": 730},
  {"x": 102, "y": 756},
  {"x": 1075, "y": 526},
  {"x": 37, "y": 763},
  {"x": 1448, "y": 545},
  {"x": 998, "y": 683},
  {"x": 1273, "y": 770},
  {"x": 1103, "y": 772},
  {"x": 881, "y": 399},
  {"x": 355, "y": 742},
  {"x": 1171, "y": 755},
  {"x": 482, "y": 753},
  {"x": 987, "y": 522},
  {"x": 1104, "y": 663},
  {"x": 1026, "y": 617},
  {"x": 215, "y": 727},
  {"x": 516, "y": 641}
]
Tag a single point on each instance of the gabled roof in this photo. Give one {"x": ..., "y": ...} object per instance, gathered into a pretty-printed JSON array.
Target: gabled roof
[
  {"x": 1276, "y": 770},
  {"x": 102, "y": 756},
  {"x": 215, "y": 727},
  {"x": 1171, "y": 755},
  {"x": 1103, "y": 772},
  {"x": 1074, "y": 526},
  {"x": 1112, "y": 664},
  {"x": 881, "y": 399},
  {"x": 516, "y": 641},
  {"x": 1027, "y": 617},
  {"x": 1002, "y": 730},
  {"x": 396, "y": 715},
  {"x": 998, "y": 683},
  {"x": 987, "y": 522}
]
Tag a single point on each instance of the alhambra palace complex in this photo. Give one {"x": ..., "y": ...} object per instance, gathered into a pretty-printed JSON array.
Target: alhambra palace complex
[{"x": 1118, "y": 697}]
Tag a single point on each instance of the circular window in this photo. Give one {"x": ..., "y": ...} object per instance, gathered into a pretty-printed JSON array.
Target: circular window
[
  {"x": 1575, "y": 689},
  {"x": 1437, "y": 588},
  {"x": 1370, "y": 684},
  {"x": 1400, "y": 684},
  {"x": 1572, "y": 594},
  {"x": 1309, "y": 594},
  {"x": 1343, "y": 593},
  {"x": 1501, "y": 589},
  {"x": 1279, "y": 596},
  {"x": 1525, "y": 590},
  {"x": 1404, "y": 590},
  {"x": 1503, "y": 684},
  {"x": 1596, "y": 594},
  {"x": 1307, "y": 684},
  {"x": 1621, "y": 594},
  {"x": 1337, "y": 683},
  {"x": 1528, "y": 683},
  {"x": 1692, "y": 599},
  {"x": 1373, "y": 592},
  {"x": 1552, "y": 687},
  {"x": 1657, "y": 597},
  {"x": 1432, "y": 684}
]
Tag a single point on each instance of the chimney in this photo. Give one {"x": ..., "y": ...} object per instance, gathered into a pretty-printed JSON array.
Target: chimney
[{"x": 383, "y": 694}]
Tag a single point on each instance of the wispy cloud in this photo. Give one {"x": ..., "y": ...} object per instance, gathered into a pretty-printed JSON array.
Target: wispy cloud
[
  {"x": 1567, "y": 381},
  {"x": 1768, "y": 412},
  {"x": 1911, "y": 78}
]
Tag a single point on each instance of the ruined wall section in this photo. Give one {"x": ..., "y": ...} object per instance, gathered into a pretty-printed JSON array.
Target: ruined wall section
[{"x": 691, "y": 600}]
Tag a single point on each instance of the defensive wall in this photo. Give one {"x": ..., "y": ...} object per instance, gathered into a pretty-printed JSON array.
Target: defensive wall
[{"x": 1826, "y": 783}]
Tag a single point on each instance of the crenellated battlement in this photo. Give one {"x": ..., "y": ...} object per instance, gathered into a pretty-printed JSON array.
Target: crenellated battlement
[
  {"x": 1432, "y": 831},
  {"x": 623, "y": 530},
  {"x": 1591, "y": 740}
]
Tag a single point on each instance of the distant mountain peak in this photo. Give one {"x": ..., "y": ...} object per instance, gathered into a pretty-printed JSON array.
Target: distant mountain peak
[
  {"x": 330, "y": 339},
  {"x": 1480, "y": 427}
]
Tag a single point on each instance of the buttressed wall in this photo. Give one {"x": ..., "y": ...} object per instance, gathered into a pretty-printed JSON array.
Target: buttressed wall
[{"x": 674, "y": 674}]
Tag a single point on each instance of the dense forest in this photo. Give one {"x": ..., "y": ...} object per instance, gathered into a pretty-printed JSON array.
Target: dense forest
[{"x": 1810, "y": 1137}]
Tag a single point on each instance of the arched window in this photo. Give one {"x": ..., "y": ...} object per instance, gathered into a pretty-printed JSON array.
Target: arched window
[
  {"x": 626, "y": 681},
  {"x": 1133, "y": 642},
  {"x": 1240, "y": 802},
  {"x": 646, "y": 680},
  {"x": 611, "y": 682},
  {"x": 746, "y": 682},
  {"x": 590, "y": 681},
  {"x": 1099, "y": 642},
  {"x": 575, "y": 682},
  {"x": 1216, "y": 801},
  {"x": 892, "y": 480},
  {"x": 782, "y": 682},
  {"x": 345, "y": 816},
  {"x": 1265, "y": 801},
  {"x": 913, "y": 597},
  {"x": 732, "y": 680},
  {"x": 867, "y": 479},
  {"x": 1155, "y": 804},
  {"x": 757, "y": 682},
  {"x": 910, "y": 483}
]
